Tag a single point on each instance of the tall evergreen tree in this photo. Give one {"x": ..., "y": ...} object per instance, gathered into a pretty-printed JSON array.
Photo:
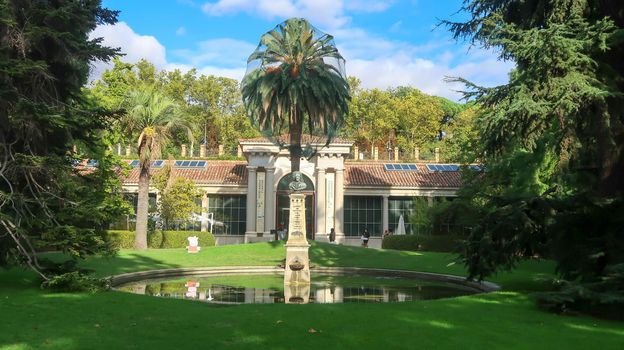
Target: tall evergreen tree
[
  {"x": 45, "y": 56},
  {"x": 553, "y": 142}
]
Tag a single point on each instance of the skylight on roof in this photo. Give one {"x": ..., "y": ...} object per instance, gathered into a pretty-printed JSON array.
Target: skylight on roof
[
  {"x": 194, "y": 164},
  {"x": 155, "y": 164},
  {"x": 442, "y": 167},
  {"x": 400, "y": 167}
]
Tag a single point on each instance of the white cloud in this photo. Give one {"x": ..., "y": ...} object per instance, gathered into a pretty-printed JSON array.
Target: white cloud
[
  {"x": 376, "y": 61},
  {"x": 134, "y": 46},
  {"x": 367, "y": 5},
  {"x": 427, "y": 75},
  {"x": 181, "y": 31},
  {"x": 219, "y": 52},
  {"x": 325, "y": 13}
]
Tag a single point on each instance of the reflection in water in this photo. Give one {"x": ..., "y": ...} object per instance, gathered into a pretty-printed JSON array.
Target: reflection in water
[{"x": 324, "y": 289}]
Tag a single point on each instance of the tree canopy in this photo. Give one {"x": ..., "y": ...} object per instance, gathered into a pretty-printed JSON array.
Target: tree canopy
[
  {"x": 44, "y": 62},
  {"x": 295, "y": 78},
  {"x": 552, "y": 144}
]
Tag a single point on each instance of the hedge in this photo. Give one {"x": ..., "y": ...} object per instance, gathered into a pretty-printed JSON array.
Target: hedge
[
  {"x": 431, "y": 243},
  {"x": 161, "y": 239}
]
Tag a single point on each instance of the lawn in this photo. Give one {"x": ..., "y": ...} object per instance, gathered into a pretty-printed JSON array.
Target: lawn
[{"x": 35, "y": 319}]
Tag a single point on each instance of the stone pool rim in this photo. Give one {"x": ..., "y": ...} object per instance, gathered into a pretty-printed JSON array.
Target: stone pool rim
[{"x": 124, "y": 278}]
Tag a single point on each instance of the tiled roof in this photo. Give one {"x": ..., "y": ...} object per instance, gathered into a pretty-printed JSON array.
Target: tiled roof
[
  {"x": 223, "y": 172},
  {"x": 374, "y": 174},
  {"x": 217, "y": 172},
  {"x": 305, "y": 138}
]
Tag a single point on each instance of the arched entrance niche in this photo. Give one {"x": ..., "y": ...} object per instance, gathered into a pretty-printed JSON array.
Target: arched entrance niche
[{"x": 283, "y": 203}]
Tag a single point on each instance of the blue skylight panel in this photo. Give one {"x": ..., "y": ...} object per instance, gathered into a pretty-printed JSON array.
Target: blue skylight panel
[
  {"x": 134, "y": 163},
  {"x": 401, "y": 167},
  {"x": 191, "y": 164},
  {"x": 443, "y": 167},
  {"x": 157, "y": 163}
]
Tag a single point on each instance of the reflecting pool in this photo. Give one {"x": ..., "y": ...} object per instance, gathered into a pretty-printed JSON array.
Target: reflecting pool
[{"x": 270, "y": 289}]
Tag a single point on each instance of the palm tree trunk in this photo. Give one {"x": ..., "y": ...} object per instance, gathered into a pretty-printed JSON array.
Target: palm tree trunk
[
  {"x": 140, "y": 238},
  {"x": 295, "y": 143}
]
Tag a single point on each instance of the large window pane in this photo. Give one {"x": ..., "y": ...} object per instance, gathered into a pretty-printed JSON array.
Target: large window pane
[
  {"x": 230, "y": 214},
  {"x": 362, "y": 212}
]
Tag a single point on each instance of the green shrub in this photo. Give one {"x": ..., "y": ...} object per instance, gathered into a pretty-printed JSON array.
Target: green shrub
[
  {"x": 160, "y": 239},
  {"x": 431, "y": 243},
  {"x": 178, "y": 239},
  {"x": 121, "y": 239}
]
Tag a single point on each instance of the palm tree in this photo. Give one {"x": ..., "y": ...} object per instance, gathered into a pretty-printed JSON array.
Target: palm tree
[
  {"x": 295, "y": 78},
  {"x": 152, "y": 117}
]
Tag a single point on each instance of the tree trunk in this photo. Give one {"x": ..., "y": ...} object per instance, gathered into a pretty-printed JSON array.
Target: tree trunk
[
  {"x": 295, "y": 143},
  {"x": 140, "y": 238}
]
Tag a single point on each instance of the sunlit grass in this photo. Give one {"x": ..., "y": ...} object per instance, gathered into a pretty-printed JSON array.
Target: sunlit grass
[{"x": 36, "y": 319}]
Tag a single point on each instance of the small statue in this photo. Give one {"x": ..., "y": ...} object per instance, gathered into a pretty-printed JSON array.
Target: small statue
[{"x": 297, "y": 184}]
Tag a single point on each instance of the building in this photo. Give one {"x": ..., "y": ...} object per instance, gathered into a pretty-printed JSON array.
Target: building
[{"x": 250, "y": 197}]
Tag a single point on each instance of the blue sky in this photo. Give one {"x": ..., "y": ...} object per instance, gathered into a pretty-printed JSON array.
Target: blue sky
[{"x": 385, "y": 43}]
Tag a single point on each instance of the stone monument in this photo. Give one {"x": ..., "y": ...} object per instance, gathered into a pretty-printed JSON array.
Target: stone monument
[{"x": 297, "y": 266}]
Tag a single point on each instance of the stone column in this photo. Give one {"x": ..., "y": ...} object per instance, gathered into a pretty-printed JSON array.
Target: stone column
[
  {"x": 320, "y": 235},
  {"x": 396, "y": 153},
  {"x": 183, "y": 152},
  {"x": 356, "y": 152},
  {"x": 128, "y": 151},
  {"x": 385, "y": 214},
  {"x": 269, "y": 201},
  {"x": 119, "y": 149},
  {"x": 417, "y": 154},
  {"x": 339, "y": 206},
  {"x": 251, "y": 202},
  {"x": 297, "y": 269},
  {"x": 204, "y": 213},
  {"x": 375, "y": 153},
  {"x": 202, "y": 150},
  {"x": 437, "y": 155},
  {"x": 221, "y": 150}
]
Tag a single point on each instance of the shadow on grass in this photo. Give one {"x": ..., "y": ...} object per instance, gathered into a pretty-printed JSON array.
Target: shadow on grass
[
  {"x": 120, "y": 321},
  {"x": 35, "y": 319}
]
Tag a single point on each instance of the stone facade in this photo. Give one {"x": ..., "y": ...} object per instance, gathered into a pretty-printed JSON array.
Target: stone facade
[{"x": 332, "y": 178}]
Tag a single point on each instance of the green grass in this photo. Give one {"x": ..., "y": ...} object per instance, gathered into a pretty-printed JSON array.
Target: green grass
[{"x": 35, "y": 319}]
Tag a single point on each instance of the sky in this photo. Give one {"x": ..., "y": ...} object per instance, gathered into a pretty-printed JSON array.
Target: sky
[{"x": 385, "y": 43}]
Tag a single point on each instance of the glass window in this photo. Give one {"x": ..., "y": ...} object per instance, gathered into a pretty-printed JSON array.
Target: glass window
[
  {"x": 398, "y": 206},
  {"x": 230, "y": 214},
  {"x": 362, "y": 212}
]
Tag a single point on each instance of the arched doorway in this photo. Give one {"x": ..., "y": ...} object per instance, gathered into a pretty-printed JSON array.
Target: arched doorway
[{"x": 283, "y": 203}]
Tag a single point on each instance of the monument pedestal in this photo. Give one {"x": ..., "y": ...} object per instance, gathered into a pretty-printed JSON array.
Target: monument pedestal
[{"x": 297, "y": 269}]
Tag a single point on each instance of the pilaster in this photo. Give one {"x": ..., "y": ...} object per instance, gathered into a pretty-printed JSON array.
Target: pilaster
[
  {"x": 339, "y": 205},
  {"x": 320, "y": 235},
  {"x": 251, "y": 202}
]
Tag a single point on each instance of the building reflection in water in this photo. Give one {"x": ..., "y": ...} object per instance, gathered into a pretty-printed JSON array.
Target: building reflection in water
[{"x": 328, "y": 290}]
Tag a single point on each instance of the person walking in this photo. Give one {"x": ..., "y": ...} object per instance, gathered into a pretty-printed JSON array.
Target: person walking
[{"x": 365, "y": 238}]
